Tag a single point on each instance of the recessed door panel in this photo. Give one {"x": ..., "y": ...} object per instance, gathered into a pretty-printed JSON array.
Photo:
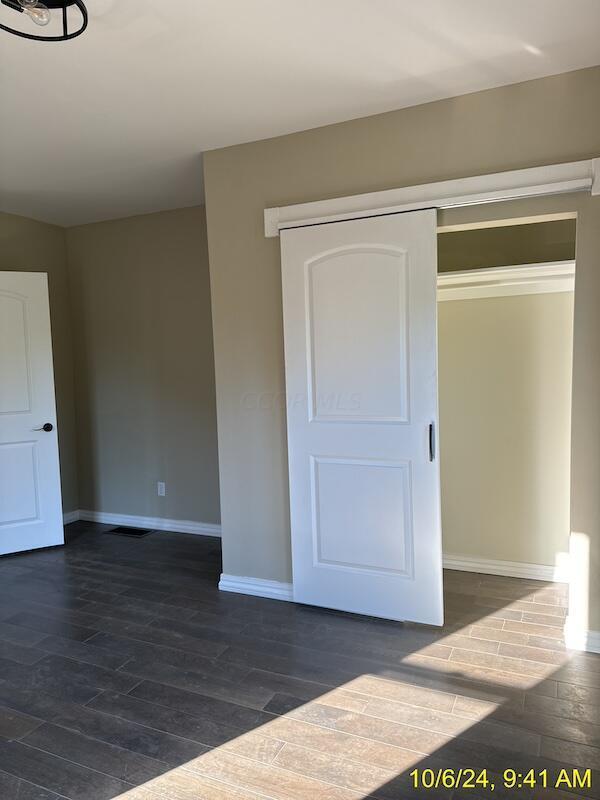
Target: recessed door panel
[
  {"x": 14, "y": 356},
  {"x": 19, "y": 489},
  {"x": 357, "y": 306},
  {"x": 358, "y": 502}
]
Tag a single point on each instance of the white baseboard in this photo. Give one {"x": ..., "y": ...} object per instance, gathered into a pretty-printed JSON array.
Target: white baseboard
[
  {"x": 154, "y": 523},
  {"x": 577, "y": 638},
  {"x": 258, "y": 587},
  {"x": 284, "y": 591},
  {"x": 512, "y": 569}
]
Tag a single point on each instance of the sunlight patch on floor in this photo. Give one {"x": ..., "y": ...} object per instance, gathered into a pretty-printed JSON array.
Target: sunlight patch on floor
[{"x": 344, "y": 738}]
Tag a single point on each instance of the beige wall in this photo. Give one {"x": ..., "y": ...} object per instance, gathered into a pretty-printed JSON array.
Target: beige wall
[
  {"x": 30, "y": 246},
  {"x": 505, "y": 418},
  {"x": 144, "y": 363},
  {"x": 585, "y": 463},
  {"x": 506, "y": 246},
  {"x": 546, "y": 121}
]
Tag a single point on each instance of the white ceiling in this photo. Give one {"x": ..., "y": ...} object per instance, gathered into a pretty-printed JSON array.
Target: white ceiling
[{"x": 114, "y": 123}]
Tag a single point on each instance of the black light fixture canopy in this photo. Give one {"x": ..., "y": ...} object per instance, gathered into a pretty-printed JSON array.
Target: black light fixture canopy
[{"x": 40, "y": 13}]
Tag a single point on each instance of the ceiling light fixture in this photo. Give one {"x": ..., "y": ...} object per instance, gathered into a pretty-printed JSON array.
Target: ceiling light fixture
[{"x": 41, "y": 14}]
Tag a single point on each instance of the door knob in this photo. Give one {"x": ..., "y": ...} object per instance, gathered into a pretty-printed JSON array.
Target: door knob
[{"x": 47, "y": 426}]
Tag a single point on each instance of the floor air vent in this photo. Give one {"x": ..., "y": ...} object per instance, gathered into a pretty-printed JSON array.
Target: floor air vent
[{"x": 123, "y": 530}]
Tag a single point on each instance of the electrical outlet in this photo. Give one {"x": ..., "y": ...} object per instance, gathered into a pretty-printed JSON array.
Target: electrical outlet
[{"x": 161, "y": 488}]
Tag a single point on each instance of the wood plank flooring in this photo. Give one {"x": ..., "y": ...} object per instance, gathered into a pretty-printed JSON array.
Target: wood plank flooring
[{"x": 125, "y": 673}]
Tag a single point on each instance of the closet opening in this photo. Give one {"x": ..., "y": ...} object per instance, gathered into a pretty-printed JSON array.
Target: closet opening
[{"x": 505, "y": 349}]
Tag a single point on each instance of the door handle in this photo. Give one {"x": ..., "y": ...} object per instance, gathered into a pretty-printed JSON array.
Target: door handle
[
  {"x": 47, "y": 426},
  {"x": 431, "y": 441}
]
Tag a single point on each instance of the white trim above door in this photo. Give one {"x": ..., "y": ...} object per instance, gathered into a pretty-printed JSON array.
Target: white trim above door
[
  {"x": 575, "y": 176},
  {"x": 556, "y": 276}
]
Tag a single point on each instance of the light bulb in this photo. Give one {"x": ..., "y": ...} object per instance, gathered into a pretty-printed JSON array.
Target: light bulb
[
  {"x": 28, "y": 3},
  {"x": 38, "y": 13}
]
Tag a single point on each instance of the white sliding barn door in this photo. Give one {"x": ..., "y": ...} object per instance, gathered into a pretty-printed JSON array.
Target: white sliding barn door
[
  {"x": 359, "y": 302},
  {"x": 30, "y": 496}
]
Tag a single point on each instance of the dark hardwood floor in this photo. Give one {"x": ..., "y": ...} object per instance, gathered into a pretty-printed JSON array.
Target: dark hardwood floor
[{"x": 125, "y": 673}]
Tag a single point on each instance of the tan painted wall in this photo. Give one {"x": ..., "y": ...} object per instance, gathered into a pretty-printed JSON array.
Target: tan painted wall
[
  {"x": 505, "y": 418},
  {"x": 538, "y": 122},
  {"x": 144, "y": 361},
  {"x": 30, "y": 246},
  {"x": 506, "y": 246},
  {"x": 585, "y": 463}
]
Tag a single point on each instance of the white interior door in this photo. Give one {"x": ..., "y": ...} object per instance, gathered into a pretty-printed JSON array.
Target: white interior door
[
  {"x": 30, "y": 497},
  {"x": 360, "y": 320}
]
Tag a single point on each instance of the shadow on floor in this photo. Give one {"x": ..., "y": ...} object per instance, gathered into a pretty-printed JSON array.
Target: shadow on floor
[{"x": 126, "y": 673}]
